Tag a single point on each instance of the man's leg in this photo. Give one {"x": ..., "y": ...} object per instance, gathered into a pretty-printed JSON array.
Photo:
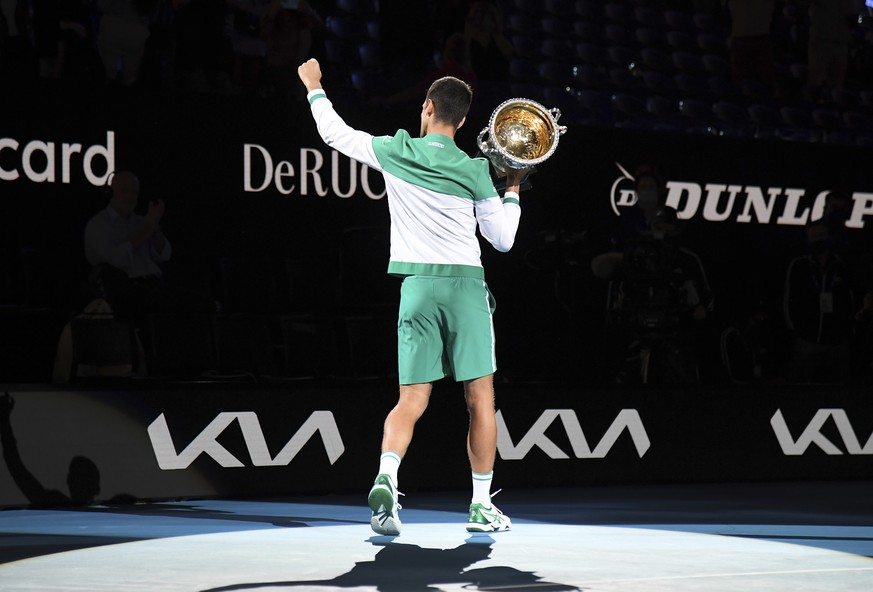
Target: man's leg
[
  {"x": 397, "y": 434},
  {"x": 482, "y": 435},
  {"x": 400, "y": 422},
  {"x": 482, "y": 450}
]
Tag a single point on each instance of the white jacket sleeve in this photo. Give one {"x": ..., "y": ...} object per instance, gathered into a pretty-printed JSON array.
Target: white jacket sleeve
[
  {"x": 355, "y": 144},
  {"x": 498, "y": 220}
]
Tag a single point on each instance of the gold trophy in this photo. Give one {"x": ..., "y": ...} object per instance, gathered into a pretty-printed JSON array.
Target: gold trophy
[{"x": 520, "y": 134}]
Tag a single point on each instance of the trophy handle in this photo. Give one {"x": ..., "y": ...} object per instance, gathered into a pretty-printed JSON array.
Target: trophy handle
[
  {"x": 480, "y": 141},
  {"x": 556, "y": 114}
]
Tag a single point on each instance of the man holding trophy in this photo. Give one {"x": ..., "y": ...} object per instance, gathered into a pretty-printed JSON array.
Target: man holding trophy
[{"x": 437, "y": 197}]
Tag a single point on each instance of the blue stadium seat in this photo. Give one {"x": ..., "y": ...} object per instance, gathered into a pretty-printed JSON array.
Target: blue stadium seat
[
  {"x": 556, "y": 26},
  {"x": 649, "y": 37},
  {"x": 665, "y": 114},
  {"x": 693, "y": 86},
  {"x": 730, "y": 112},
  {"x": 557, "y": 49},
  {"x": 346, "y": 26},
  {"x": 659, "y": 83},
  {"x": 622, "y": 79},
  {"x": 619, "y": 13},
  {"x": 716, "y": 65},
  {"x": 521, "y": 24},
  {"x": 526, "y": 46},
  {"x": 524, "y": 70},
  {"x": 587, "y": 31},
  {"x": 564, "y": 9},
  {"x": 590, "y": 77},
  {"x": 357, "y": 7},
  {"x": 369, "y": 54},
  {"x": 696, "y": 109},
  {"x": 619, "y": 35},
  {"x": 622, "y": 56},
  {"x": 682, "y": 41},
  {"x": 591, "y": 53},
  {"x": 589, "y": 10},
  {"x": 709, "y": 43},
  {"x": 630, "y": 111},
  {"x": 705, "y": 23},
  {"x": 533, "y": 7},
  {"x": 658, "y": 60},
  {"x": 649, "y": 16},
  {"x": 555, "y": 73},
  {"x": 689, "y": 63},
  {"x": 599, "y": 106},
  {"x": 676, "y": 19}
]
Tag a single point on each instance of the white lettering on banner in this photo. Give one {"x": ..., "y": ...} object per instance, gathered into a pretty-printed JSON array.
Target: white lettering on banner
[
  {"x": 812, "y": 434},
  {"x": 39, "y": 160},
  {"x": 206, "y": 442},
  {"x": 863, "y": 207},
  {"x": 626, "y": 197},
  {"x": 755, "y": 204},
  {"x": 627, "y": 419},
  {"x": 310, "y": 174}
]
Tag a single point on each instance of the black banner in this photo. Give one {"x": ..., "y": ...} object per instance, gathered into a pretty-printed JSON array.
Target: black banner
[
  {"x": 226, "y": 440},
  {"x": 265, "y": 218}
]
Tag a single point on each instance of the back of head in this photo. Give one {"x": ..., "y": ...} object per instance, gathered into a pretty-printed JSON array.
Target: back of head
[
  {"x": 451, "y": 98},
  {"x": 124, "y": 181}
]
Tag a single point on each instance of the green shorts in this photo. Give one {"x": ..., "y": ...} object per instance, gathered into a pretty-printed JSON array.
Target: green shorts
[{"x": 444, "y": 329}]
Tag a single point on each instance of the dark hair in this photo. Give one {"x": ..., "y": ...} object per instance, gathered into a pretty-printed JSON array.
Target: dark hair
[
  {"x": 651, "y": 171},
  {"x": 451, "y": 99}
]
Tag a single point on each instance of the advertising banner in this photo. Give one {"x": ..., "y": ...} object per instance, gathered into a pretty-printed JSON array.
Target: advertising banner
[{"x": 219, "y": 440}]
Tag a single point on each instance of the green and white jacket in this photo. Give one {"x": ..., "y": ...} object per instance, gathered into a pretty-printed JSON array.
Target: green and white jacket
[{"x": 437, "y": 195}]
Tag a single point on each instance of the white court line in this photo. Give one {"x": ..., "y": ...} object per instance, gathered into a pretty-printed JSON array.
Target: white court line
[{"x": 733, "y": 574}]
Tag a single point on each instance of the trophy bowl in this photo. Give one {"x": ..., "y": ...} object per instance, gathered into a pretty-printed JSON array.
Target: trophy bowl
[{"x": 520, "y": 134}]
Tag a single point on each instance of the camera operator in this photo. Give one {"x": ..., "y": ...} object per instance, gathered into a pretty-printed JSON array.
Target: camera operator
[{"x": 658, "y": 293}]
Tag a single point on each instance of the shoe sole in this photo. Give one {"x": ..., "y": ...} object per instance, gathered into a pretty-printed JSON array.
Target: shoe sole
[
  {"x": 380, "y": 497},
  {"x": 477, "y": 527}
]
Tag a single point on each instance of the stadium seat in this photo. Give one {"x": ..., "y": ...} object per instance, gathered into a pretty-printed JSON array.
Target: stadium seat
[
  {"x": 619, "y": 35},
  {"x": 557, "y": 49},
  {"x": 658, "y": 60},
  {"x": 592, "y": 54},
  {"x": 649, "y": 16},
  {"x": 556, "y": 27},
  {"x": 589, "y": 10},
  {"x": 716, "y": 65},
  {"x": 587, "y": 31},
  {"x": 682, "y": 41},
  {"x": 689, "y": 63},
  {"x": 660, "y": 84},
  {"x": 619, "y": 13},
  {"x": 709, "y": 43},
  {"x": 693, "y": 86},
  {"x": 555, "y": 73},
  {"x": 676, "y": 19},
  {"x": 650, "y": 37},
  {"x": 622, "y": 56},
  {"x": 560, "y": 8}
]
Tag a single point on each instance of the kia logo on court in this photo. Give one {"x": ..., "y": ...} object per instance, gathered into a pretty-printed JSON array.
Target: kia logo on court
[
  {"x": 811, "y": 434},
  {"x": 206, "y": 442},
  {"x": 627, "y": 420}
]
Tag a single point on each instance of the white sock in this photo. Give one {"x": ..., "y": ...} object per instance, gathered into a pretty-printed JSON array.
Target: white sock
[
  {"x": 389, "y": 463},
  {"x": 482, "y": 488}
]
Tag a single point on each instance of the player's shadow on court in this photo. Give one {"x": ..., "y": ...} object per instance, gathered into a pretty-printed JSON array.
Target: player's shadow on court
[{"x": 400, "y": 567}]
